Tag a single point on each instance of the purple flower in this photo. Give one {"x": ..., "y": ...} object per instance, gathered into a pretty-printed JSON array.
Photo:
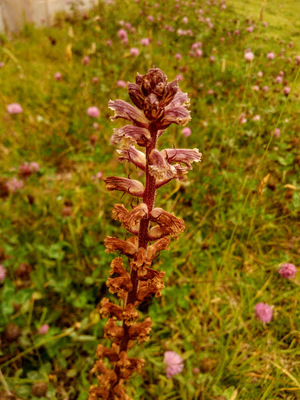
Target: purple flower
[
  {"x": 286, "y": 90},
  {"x": 85, "y": 60},
  {"x": 186, "y": 132},
  {"x": 270, "y": 55},
  {"x": 278, "y": 79},
  {"x": 43, "y": 329},
  {"x": 150, "y": 18},
  {"x": 265, "y": 89},
  {"x": 174, "y": 363},
  {"x": 93, "y": 112},
  {"x": 178, "y": 56},
  {"x": 14, "y": 108},
  {"x": 122, "y": 84},
  {"x": 58, "y": 76},
  {"x": 2, "y": 273},
  {"x": 288, "y": 271},
  {"x": 145, "y": 42},
  {"x": 260, "y": 74},
  {"x": 250, "y": 29},
  {"x": 263, "y": 312},
  {"x": 122, "y": 34},
  {"x": 255, "y": 88},
  {"x": 14, "y": 184},
  {"x": 249, "y": 56},
  {"x": 1, "y": 64},
  {"x": 277, "y": 132},
  {"x": 134, "y": 51}
]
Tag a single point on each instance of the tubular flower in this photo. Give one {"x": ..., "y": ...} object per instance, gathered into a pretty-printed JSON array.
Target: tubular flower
[{"x": 157, "y": 104}]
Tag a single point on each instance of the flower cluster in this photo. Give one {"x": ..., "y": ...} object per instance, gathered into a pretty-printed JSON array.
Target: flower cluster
[{"x": 158, "y": 104}]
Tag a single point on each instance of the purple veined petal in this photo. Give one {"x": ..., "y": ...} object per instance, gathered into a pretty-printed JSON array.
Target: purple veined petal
[
  {"x": 160, "y": 168},
  {"x": 180, "y": 99},
  {"x": 178, "y": 115},
  {"x": 131, "y": 186},
  {"x": 131, "y": 134},
  {"x": 185, "y": 156},
  {"x": 127, "y": 111},
  {"x": 133, "y": 155}
]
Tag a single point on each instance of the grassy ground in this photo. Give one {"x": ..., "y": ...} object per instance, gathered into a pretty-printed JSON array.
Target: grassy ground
[{"x": 240, "y": 205}]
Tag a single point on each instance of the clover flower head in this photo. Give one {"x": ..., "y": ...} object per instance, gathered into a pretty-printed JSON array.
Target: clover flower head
[
  {"x": 288, "y": 270},
  {"x": 174, "y": 363},
  {"x": 263, "y": 312}
]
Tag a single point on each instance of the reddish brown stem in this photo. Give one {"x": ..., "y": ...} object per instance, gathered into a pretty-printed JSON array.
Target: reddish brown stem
[{"x": 148, "y": 198}]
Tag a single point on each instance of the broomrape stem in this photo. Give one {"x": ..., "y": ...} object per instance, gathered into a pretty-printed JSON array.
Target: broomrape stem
[{"x": 158, "y": 104}]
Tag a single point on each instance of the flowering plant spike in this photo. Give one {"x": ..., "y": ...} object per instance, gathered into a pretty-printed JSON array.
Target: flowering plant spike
[{"x": 158, "y": 104}]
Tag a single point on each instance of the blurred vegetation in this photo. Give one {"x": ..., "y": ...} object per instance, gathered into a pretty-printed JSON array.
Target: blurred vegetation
[{"x": 241, "y": 204}]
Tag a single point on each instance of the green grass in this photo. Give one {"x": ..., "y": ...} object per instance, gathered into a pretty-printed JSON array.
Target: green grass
[{"x": 238, "y": 229}]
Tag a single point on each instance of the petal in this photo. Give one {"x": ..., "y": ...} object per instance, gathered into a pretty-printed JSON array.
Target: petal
[
  {"x": 180, "y": 99},
  {"x": 160, "y": 168},
  {"x": 127, "y": 111},
  {"x": 136, "y": 95},
  {"x": 133, "y": 155},
  {"x": 186, "y": 156},
  {"x": 176, "y": 114},
  {"x": 167, "y": 221},
  {"x": 130, "y": 134},
  {"x": 131, "y": 186}
]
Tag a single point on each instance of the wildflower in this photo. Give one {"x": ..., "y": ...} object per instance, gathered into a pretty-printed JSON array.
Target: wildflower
[
  {"x": 122, "y": 84},
  {"x": 212, "y": 59},
  {"x": 85, "y": 60},
  {"x": 277, "y": 132},
  {"x": 198, "y": 53},
  {"x": 14, "y": 184},
  {"x": 1, "y": 64},
  {"x": 297, "y": 60},
  {"x": 260, "y": 74},
  {"x": 145, "y": 42},
  {"x": 43, "y": 329},
  {"x": 14, "y": 108},
  {"x": 134, "y": 51},
  {"x": 265, "y": 88},
  {"x": 278, "y": 79},
  {"x": 2, "y": 272},
  {"x": 250, "y": 29},
  {"x": 179, "y": 77},
  {"x": 288, "y": 271},
  {"x": 95, "y": 80},
  {"x": 58, "y": 76},
  {"x": 28, "y": 169},
  {"x": 93, "y": 112},
  {"x": 185, "y": 20},
  {"x": 174, "y": 363},
  {"x": 150, "y": 18},
  {"x": 255, "y": 88},
  {"x": 256, "y": 118},
  {"x": 178, "y": 56},
  {"x": 270, "y": 55},
  {"x": 286, "y": 90},
  {"x": 122, "y": 34},
  {"x": 186, "y": 132},
  {"x": 263, "y": 312},
  {"x": 249, "y": 56},
  {"x": 109, "y": 42}
]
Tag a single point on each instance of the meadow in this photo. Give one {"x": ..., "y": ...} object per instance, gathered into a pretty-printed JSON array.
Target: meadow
[{"x": 240, "y": 66}]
